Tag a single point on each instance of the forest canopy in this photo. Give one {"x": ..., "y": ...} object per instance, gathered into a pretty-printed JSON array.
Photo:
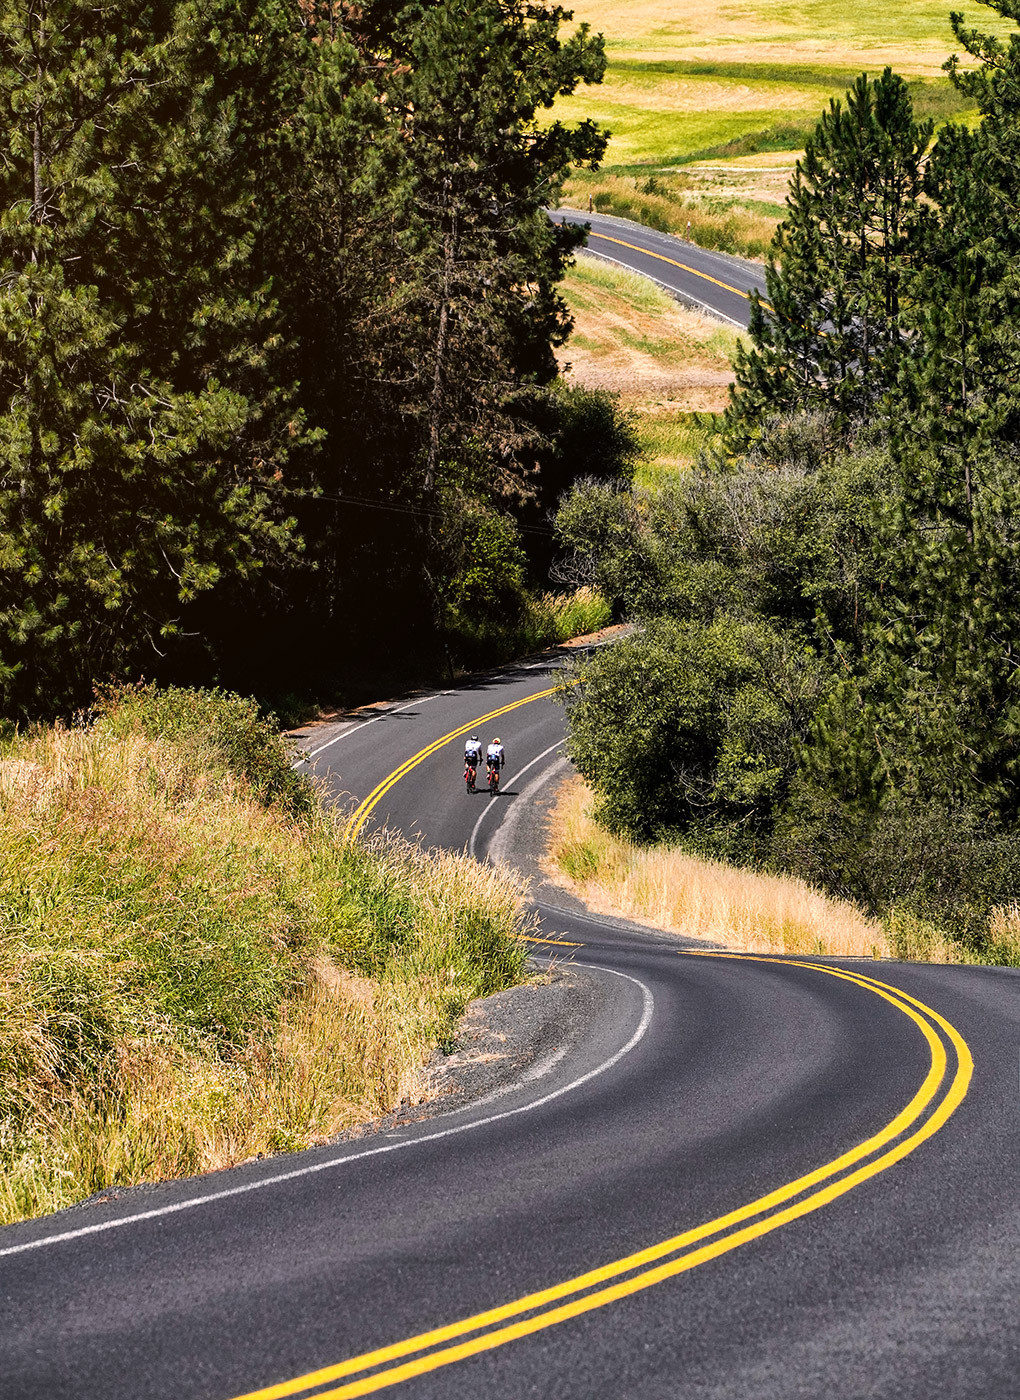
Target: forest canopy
[{"x": 277, "y": 316}]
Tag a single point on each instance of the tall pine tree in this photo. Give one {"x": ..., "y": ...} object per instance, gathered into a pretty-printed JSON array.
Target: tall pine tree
[
  {"x": 139, "y": 417},
  {"x": 829, "y": 339}
]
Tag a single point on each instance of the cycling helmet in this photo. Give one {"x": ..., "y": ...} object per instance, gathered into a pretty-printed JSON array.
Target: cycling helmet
[
  {"x": 474, "y": 739},
  {"x": 497, "y": 740}
]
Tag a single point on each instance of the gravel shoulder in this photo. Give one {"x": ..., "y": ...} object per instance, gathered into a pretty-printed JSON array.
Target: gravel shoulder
[{"x": 505, "y": 1041}]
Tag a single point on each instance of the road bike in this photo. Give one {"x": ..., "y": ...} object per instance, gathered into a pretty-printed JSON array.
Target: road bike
[
  {"x": 470, "y": 774},
  {"x": 493, "y": 780}
]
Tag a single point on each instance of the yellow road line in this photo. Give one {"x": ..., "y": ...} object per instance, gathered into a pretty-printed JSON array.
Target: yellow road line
[
  {"x": 361, "y": 815},
  {"x": 684, "y": 267},
  {"x": 823, "y": 1189},
  {"x": 562, "y": 942}
]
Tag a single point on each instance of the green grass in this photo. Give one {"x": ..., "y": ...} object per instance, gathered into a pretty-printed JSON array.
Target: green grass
[
  {"x": 196, "y": 966},
  {"x": 671, "y": 438},
  {"x": 723, "y": 110},
  {"x": 713, "y": 84}
]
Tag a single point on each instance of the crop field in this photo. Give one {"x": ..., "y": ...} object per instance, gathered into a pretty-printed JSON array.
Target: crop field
[
  {"x": 912, "y": 35},
  {"x": 670, "y": 366},
  {"x": 711, "y": 100}
]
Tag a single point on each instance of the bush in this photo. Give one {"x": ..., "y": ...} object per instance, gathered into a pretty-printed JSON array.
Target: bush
[
  {"x": 686, "y": 722},
  {"x": 221, "y": 731}
]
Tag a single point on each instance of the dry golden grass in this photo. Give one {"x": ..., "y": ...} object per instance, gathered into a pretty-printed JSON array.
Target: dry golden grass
[
  {"x": 763, "y": 178},
  {"x": 626, "y": 88},
  {"x": 630, "y": 337},
  {"x": 190, "y": 976},
  {"x": 1004, "y": 936},
  {"x": 701, "y": 898}
]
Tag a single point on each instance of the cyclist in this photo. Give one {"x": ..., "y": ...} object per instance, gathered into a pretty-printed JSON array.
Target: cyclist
[
  {"x": 494, "y": 760},
  {"x": 472, "y": 759}
]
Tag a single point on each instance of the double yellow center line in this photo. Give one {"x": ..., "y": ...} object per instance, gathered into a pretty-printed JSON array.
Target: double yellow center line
[{"x": 940, "y": 1093}]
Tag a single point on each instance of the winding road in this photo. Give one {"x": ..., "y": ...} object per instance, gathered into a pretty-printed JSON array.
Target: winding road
[
  {"x": 754, "y": 1177},
  {"x": 712, "y": 282}
]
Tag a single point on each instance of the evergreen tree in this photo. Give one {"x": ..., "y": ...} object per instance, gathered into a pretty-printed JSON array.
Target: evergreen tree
[
  {"x": 139, "y": 420},
  {"x": 416, "y": 270},
  {"x": 829, "y": 339},
  {"x": 947, "y": 644},
  {"x": 484, "y": 170}
]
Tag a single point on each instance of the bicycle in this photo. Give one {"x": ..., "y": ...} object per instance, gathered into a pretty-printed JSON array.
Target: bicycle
[
  {"x": 470, "y": 774},
  {"x": 493, "y": 779}
]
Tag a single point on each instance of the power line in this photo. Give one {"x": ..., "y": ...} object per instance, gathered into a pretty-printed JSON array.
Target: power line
[{"x": 367, "y": 504}]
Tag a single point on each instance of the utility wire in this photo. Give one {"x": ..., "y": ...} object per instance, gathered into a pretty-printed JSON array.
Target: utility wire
[{"x": 367, "y": 504}]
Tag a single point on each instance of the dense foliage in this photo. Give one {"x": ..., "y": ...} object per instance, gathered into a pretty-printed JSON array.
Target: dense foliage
[
  {"x": 826, "y": 674},
  {"x": 278, "y": 307}
]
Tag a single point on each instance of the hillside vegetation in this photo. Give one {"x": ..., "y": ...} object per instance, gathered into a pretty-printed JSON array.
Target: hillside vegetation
[
  {"x": 667, "y": 365},
  {"x": 710, "y": 104},
  {"x": 824, "y": 683},
  {"x": 279, "y": 403},
  {"x": 196, "y": 967},
  {"x": 672, "y": 889}
]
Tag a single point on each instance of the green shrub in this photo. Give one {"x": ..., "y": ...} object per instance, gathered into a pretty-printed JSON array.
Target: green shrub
[
  {"x": 220, "y": 729},
  {"x": 684, "y": 720}
]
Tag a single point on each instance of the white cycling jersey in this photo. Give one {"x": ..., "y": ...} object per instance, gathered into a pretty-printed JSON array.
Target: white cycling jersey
[
  {"x": 473, "y": 751},
  {"x": 494, "y": 754}
]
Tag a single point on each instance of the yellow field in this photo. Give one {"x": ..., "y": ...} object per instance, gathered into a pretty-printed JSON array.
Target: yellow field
[{"x": 912, "y": 35}]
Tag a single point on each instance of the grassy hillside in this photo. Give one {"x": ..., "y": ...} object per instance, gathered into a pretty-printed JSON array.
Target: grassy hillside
[
  {"x": 669, "y": 365},
  {"x": 714, "y": 99},
  {"x": 196, "y": 967},
  {"x": 683, "y": 893}
]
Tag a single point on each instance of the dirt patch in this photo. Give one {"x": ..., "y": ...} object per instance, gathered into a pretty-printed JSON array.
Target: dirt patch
[{"x": 691, "y": 390}]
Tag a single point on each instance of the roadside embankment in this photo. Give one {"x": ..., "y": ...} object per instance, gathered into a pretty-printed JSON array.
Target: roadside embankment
[
  {"x": 684, "y": 894},
  {"x": 196, "y": 968}
]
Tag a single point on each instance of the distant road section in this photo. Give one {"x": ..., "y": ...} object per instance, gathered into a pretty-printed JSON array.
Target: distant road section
[{"x": 712, "y": 282}]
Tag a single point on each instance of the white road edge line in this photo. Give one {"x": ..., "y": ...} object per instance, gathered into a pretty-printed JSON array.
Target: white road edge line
[
  {"x": 486, "y": 810},
  {"x": 648, "y": 1008},
  {"x": 355, "y": 728}
]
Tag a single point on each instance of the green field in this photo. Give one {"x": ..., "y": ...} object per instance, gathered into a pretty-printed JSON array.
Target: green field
[{"x": 712, "y": 101}]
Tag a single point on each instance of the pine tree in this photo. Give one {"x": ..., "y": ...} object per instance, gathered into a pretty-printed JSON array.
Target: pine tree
[
  {"x": 485, "y": 168},
  {"x": 139, "y": 420},
  {"x": 417, "y": 268},
  {"x": 949, "y": 634},
  {"x": 829, "y": 337}
]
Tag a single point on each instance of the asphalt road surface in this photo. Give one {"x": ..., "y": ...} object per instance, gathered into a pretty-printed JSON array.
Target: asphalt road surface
[
  {"x": 714, "y": 282},
  {"x": 755, "y": 1178}
]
